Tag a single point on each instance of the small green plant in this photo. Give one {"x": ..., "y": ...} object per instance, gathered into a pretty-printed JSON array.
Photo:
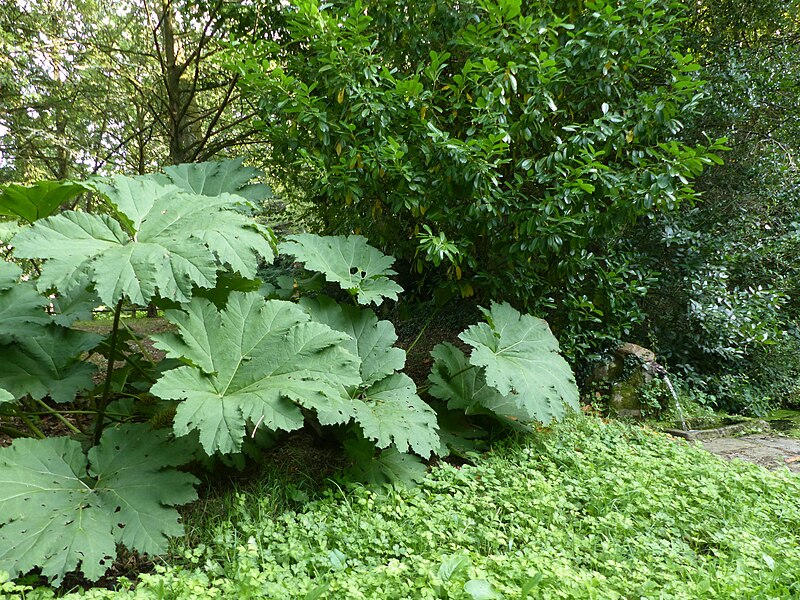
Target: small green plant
[
  {"x": 654, "y": 397},
  {"x": 586, "y": 509},
  {"x": 738, "y": 394}
]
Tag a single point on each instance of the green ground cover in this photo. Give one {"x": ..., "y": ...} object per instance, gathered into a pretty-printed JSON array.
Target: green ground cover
[
  {"x": 585, "y": 510},
  {"x": 786, "y": 421}
]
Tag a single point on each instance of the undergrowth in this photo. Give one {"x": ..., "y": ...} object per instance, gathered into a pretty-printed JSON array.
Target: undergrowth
[{"x": 585, "y": 510}]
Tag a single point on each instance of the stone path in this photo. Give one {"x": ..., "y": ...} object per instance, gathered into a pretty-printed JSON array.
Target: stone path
[{"x": 768, "y": 450}]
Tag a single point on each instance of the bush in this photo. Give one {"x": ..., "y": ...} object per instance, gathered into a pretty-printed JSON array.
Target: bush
[
  {"x": 727, "y": 309},
  {"x": 238, "y": 366},
  {"x": 494, "y": 148}
]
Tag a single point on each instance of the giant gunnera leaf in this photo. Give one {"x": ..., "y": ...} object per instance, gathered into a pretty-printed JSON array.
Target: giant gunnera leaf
[
  {"x": 463, "y": 386},
  {"x": 48, "y": 363},
  {"x": 254, "y": 361},
  {"x": 39, "y": 358},
  {"x": 520, "y": 358},
  {"x": 216, "y": 178},
  {"x": 62, "y": 510},
  {"x": 370, "y": 339},
  {"x": 162, "y": 241},
  {"x": 22, "y": 308},
  {"x": 385, "y": 404},
  {"x": 390, "y": 413},
  {"x": 349, "y": 262}
]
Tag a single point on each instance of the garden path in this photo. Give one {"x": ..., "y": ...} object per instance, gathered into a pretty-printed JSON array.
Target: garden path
[{"x": 765, "y": 449}]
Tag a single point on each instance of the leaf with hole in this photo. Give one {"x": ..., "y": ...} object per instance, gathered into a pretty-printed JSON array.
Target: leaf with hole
[{"x": 350, "y": 262}]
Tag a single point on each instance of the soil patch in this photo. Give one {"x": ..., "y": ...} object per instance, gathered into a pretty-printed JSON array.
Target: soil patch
[{"x": 419, "y": 332}]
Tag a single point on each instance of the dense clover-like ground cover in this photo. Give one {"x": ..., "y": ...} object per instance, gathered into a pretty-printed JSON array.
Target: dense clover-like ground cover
[{"x": 585, "y": 510}]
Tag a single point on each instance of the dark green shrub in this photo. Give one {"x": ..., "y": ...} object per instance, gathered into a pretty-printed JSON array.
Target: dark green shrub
[
  {"x": 495, "y": 148},
  {"x": 727, "y": 309}
]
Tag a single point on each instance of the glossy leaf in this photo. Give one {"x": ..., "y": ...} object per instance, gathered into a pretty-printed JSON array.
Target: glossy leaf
[{"x": 36, "y": 201}]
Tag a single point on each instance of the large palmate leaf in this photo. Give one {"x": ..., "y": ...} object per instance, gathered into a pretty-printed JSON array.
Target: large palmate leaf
[
  {"x": 385, "y": 404},
  {"x": 6, "y": 396},
  {"x": 253, "y": 361},
  {"x": 370, "y": 339},
  {"x": 36, "y": 201},
  {"x": 390, "y": 412},
  {"x": 389, "y": 466},
  {"x": 77, "y": 304},
  {"x": 520, "y": 357},
  {"x": 8, "y": 229},
  {"x": 215, "y": 178},
  {"x": 347, "y": 261},
  {"x": 22, "y": 308},
  {"x": 21, "y": 304},
  {"x": 48, "y": 363},
  {"x": 166, "y": 242},
  {"x": 61, "y": 511},
  {"x": 464, "y": 387},
  {"x": 38, "y": 357}
]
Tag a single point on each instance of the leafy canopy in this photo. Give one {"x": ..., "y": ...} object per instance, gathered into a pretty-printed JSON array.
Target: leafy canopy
[
  {"x": 498, "y": 146},
  {"x": 245, "y": 363}
]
